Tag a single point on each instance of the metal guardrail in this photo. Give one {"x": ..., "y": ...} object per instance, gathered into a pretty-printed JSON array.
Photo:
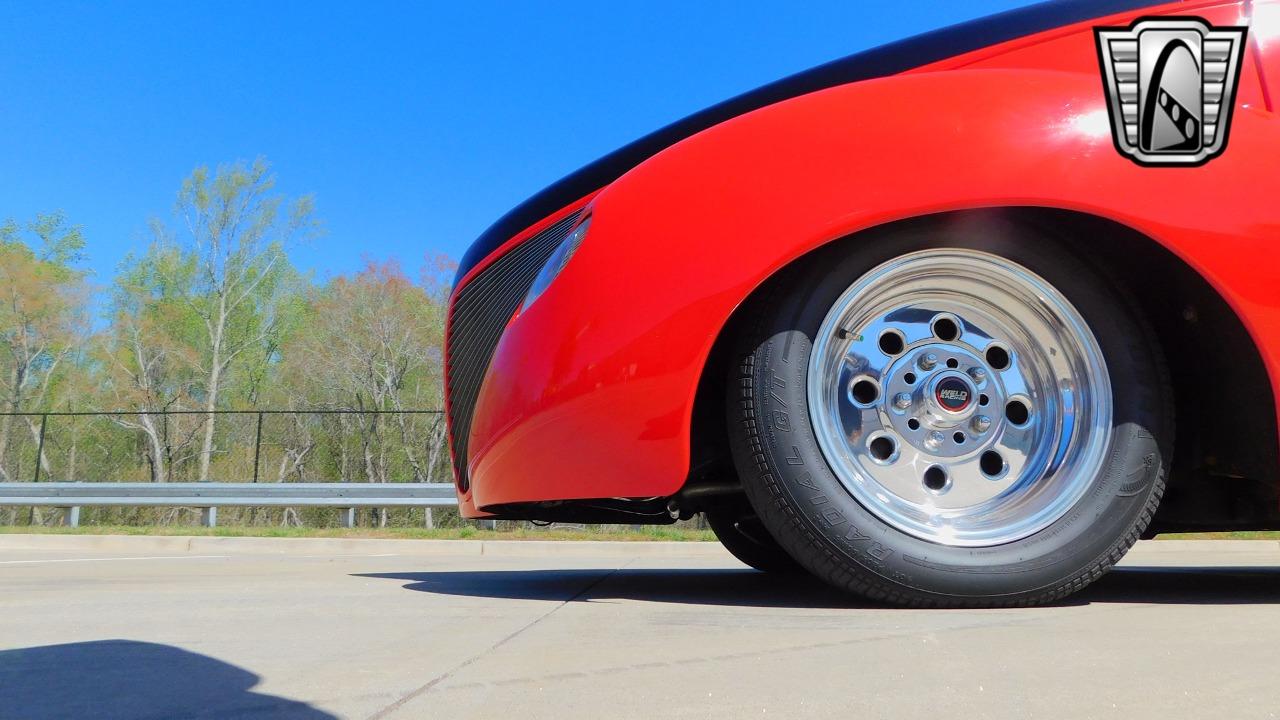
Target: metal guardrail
[{"x": 209, "y": 496}]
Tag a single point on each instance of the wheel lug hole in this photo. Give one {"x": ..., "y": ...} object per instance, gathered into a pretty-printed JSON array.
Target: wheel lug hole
[
  {"x": 1017, "y": 412},
  {"x": 958, "y": 437},
  {"x": 909, "y": 378},
  {"x": 883, "y": 449},
  {"x": 998, "y": 357},
  {"x": 936, "y": 480},
  {"x": 864, "y": 391},
  {"x": 991, "y": 464},
  {"x": 914, "y": 424},
  {"x": 945, "y": 328},
  {"x": 892, "y": 342},
  {"x": 953, "y": 363}
]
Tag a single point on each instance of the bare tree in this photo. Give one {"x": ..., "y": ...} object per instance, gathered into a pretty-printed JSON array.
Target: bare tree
[
  {"x": 374, "y": 344},
  {"x": 142, "y": 373}
]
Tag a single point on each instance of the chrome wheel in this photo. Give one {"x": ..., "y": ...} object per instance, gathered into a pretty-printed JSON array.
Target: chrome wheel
[{"x": 959, "y": 397}]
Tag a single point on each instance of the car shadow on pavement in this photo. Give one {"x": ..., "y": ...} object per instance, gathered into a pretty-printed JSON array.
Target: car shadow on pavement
[
  {"x": 1186, "y": 585},
  {"x": 715, "y": 586},
  {"x": 748, "y": 588},
  {"x": 118, "y": 679}
]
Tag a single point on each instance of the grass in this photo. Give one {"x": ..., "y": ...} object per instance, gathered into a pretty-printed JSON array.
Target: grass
[
  {"x": 648, "y": 533},
  {"x": 1233, "y": 535}
]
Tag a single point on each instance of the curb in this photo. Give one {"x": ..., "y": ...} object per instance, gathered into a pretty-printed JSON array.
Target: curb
[
  {"x": 199, "y": 544},
  {"x": 178, "y": 544}
]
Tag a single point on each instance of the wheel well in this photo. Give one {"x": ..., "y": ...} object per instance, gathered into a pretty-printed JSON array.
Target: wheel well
[{"x": 1223, "y": 474}]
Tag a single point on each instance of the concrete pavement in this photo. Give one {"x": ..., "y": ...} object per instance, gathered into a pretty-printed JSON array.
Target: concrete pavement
[{"x": 229, "y": 627}]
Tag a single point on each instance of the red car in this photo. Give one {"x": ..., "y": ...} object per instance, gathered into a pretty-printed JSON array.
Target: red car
[{"x": 952, "y": 322}]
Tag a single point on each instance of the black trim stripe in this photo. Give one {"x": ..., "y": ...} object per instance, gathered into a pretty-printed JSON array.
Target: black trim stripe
[{"x": 879, "y": 62}]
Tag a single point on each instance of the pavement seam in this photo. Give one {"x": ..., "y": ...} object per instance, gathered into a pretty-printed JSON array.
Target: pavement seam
[
  {"x": 431, "y": 684},
  {"x": 1003, "y": 620},
  {"x": 722, "y": 657}
]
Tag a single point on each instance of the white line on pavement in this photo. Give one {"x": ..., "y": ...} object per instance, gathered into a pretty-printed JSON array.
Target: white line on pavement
[{"x": 149, "y": 557}]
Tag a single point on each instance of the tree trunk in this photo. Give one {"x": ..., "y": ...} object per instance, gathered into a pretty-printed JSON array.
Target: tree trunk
[
  {"x": 5, "y": 423},
  {"x": 434, "y": 446},
  {"x": 157, "y": 451},
  {"x": 71, "y": 459},
  {"x": 211, "y": 390},
  {"x": 42, "y": 459},
  {"x": 344, "y": 460},
  {"x": 407, "y": 443}
]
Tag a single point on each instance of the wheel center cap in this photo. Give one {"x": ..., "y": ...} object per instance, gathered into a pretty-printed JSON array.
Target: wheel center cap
[
  {"x": 949, "y": 399},
  {"x": 953, "y": 394}
]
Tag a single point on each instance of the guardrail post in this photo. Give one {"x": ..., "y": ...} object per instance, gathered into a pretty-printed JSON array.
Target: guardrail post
[
  {"x": 348, "y": 517},
  {"x": 209, "y": 516},
  {"x": 71, "y": 516},
  {"x": 430, "y": 519}
]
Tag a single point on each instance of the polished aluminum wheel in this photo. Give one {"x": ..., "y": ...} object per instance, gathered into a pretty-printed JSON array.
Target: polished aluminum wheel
[{"x": 959, "y": 397}]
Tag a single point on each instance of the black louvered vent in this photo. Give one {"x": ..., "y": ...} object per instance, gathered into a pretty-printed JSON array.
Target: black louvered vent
[{"x": 477, "y": 317}]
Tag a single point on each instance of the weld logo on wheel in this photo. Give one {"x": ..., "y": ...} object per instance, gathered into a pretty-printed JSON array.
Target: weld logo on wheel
[
  {"x": 1170, "y": 84},
  {"x": 953, "y": 394}
]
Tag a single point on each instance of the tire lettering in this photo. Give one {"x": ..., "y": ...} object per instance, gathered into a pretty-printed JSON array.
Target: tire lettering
[
  {"x": 779, "y": 383},
  {"x": 855, "y": 535},
  {"x": 879, "y": 552},
  {"x": 832, "y": 516},
  {"x": 794, "y": 458}
]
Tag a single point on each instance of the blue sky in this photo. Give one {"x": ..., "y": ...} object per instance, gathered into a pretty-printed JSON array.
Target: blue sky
[{"x": 415, "y": 125}]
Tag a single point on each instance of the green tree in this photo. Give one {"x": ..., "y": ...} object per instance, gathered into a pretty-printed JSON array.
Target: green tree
[{"x": 43, "y": 316}]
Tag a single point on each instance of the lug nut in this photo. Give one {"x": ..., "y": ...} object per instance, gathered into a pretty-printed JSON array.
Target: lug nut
[
  {"x": 902, "y": 401},
  {"x": 981, "y": 423},
  {"x": 927, "y": 361},
  {"x": 978, "y": 374},
  {"x": 934, "y": 441}
]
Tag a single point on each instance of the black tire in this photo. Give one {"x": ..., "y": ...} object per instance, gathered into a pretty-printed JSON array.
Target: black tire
[
  {"x": 818, "y": 522},
  {"x": 739, "y": 529}
]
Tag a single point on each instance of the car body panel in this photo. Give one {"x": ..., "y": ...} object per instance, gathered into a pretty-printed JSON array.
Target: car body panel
[
  {"x": 938, "y": 47},
  {"x": 590, "y": 391},
  {"x": 1264, "y": 46}
]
